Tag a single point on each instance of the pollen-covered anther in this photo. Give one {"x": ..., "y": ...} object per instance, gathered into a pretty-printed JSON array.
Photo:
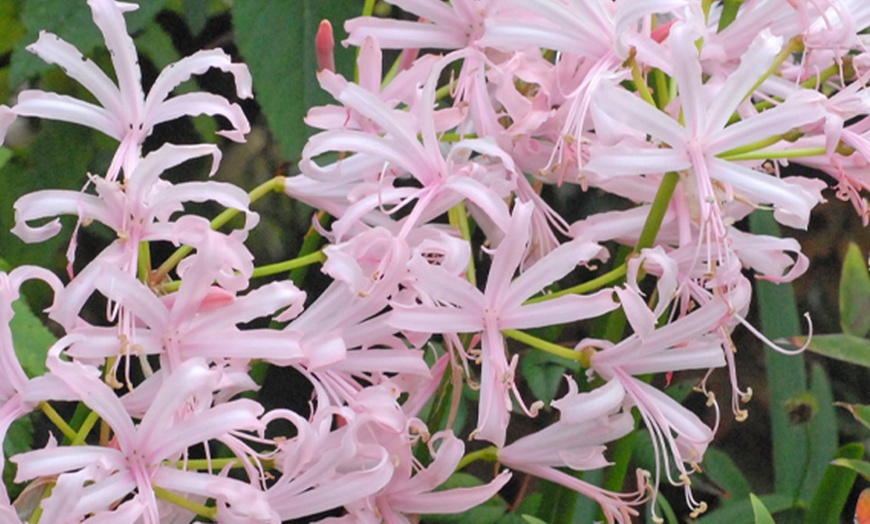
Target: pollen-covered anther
[
  {"x": 696, "y": 467},
  {"x": 701, "y": 509},
  {"x": 711, "y": 399},
  {"x": 685, "y": 480},
  {"x": 536, "y": 407},
  {"x": 746, "y": 397},
  {"x": 741, "y": 415}
]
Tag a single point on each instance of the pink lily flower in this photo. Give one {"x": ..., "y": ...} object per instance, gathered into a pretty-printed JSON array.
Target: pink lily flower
[
  {"x": 13, "y": 381},
  {"x": 706, "y": 135},
  {"x": 138, "y": 210},
  {"x": 587, "y": 422},
  {"x": 138, "y": 463},
  {"x": 125, "y": 113},
  {"x": 467, "y": 310}
]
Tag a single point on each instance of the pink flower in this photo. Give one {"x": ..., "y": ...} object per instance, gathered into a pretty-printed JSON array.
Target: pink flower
[
  {"x": 588, "y": 420},
  {"x": 465, "y": 309},
  {"x": 180, "y": 416},
  {"x": 707, "y": 135},
  {"x": 125, "y": 113}
]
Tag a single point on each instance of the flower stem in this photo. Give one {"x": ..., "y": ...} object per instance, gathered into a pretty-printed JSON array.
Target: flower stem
[
  {"x": 596, "y": 283},
  {"x": 771, "y": 155},
  {"x": 657, "y": 211},
  {"x": 543, "y": 345},
  {"x": 639, "y": 80},
  {"x": 489, "y": 454},
  {"x": 178, "y": 500},
  {"x": 57, "y": 420},
  {"x": 83, "y": 431},
  {"x": 274, "y": 184},
  {"x": 289, "y": 265},
  {"x": 205, "y": 464},
  {"x": 458, "y": 216}
]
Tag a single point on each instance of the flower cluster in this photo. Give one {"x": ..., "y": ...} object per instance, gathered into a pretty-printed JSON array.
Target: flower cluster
[{"x": 442, "y": 247}]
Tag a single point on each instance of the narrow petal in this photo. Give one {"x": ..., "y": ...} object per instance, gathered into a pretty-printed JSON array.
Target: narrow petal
[
  {"x": 197, "y": 64},
  {"x": 50, "y": 48},
  {"x": 193, "y": 104},
  {"x": 65, "y": 108},
  {"x": 560, "y": 310},
  {"x": 109, "y": 18}
]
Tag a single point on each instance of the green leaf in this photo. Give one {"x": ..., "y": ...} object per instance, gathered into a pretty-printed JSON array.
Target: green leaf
[
  {"x": 762, "y": 516},
  {"x": 830, "y": 499},
  {"x": 786, "y": 377},
  {"x": 846, "y": 348},
  {"x": 855, "y": 293},
  {"x": 31, "y": 339},
  {"x": 861, "y": 412},
  {"x": 71, "y": 21},
  {"x": 544, "y": 373},
  {"x": 276, "y": 39},
  {"x": 11, "y": 29},
  {"x": 822, "y": 433},
  {"x": 721, "y": 469},
  {"x": 533, "y": 520},
  {"x": 743, "y": 510},
  {"x": 19, "y": 439},
  {"x": 859, "y": 466}
]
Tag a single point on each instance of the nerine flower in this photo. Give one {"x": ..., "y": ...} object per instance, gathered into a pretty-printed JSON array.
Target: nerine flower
[
  {"x": 706, "y": 135},
  {"x": 124, "y": 112},
  {"x": 465, "y": 309},
  {"x": 138, "y": 462}
]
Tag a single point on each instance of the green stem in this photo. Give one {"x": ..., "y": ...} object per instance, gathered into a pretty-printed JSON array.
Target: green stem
[
  {"x": 37, "y": 513},
  {"x": 596, "y": 283},
  {"x": 640, "y": 81},
  {"x": 274, "y": 184},
  {"x": 264, "y": 271},
  {"x": 795, "y": 44},
  {"x": 489, "y": 454},
  {"x": 218, "y": 464},
  {"x": 657, "y": 211},
  {"x": 458, "y": 216},
  {"x": 178, "y": 500},
  {"x": 86, "y": 428},
  {"x": 310, "y": 244},
  {"x": 544, "y": 345},
  {"x": 771, "y": 155},
  {"x": 748, "y": 148},
  {"x": 144, "y": 262},
  {"x": 57, "y": 420},
  {"x": 289, "y": 265}
]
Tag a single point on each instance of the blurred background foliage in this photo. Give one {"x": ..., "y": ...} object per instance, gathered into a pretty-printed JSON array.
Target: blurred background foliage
[{"x": 782, "y": 452}]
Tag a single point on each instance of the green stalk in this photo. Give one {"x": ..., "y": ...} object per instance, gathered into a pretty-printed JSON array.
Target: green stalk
[
  {"x": 178, "y": 500},
  {"x": 544, "y": 345},
  {"x": 458, "y": 216},
  {"x": 596, "y": 283},
  {"x": 144, "y": 261},
  {"x": 770, "y": 155},
  {"x": 289, "y": 265},
  {"x": 640, "y": 81},
  {"x": 274, "y": 184},
  {"x": 83, "y": 432},
  {"x": 657, "y": 211},
  {"x": 57, "y": 420},
  {"x": 489, "y": 454}
]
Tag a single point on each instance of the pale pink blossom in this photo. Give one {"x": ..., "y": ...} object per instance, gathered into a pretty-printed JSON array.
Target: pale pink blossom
[{"x": 124, "y": 112}]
